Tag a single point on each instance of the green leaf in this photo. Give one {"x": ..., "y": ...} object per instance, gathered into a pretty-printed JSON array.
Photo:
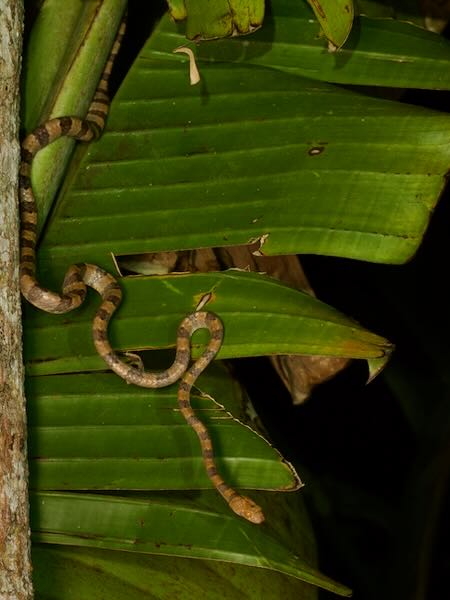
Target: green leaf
[
  {"x": 177, "y": 9},
  {"x": 69, "y": 44},
  {"x": 254, "y": 154},
  {"x": 72, "y": 58},
  {"x": 166, "y": 525},
  {"x": 260, "y": 315},
  {"x": 335, "y": 18},
  {"x": 376, "y": 365},
  {"x": 221, "y": 18},
  {"x": 73, "y": 573},
  {"x": 84, "y": 435},
  {"x": 382, "y": 52}
]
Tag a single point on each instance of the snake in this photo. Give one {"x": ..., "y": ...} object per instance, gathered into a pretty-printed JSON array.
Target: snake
[{"x": 81, "y": 276}]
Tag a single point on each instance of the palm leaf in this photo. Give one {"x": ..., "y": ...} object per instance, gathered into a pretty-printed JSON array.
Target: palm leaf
[
  {"x": 67, "y": 49},
  {"x": 222, "y": 18},
  {"x": 261, "y": 316},
  {"x": 302, "y": 166},
  {"x": 335, "y": 18},
  {"x": 382, "y": 52},
  {"x": 84, "y": 435},
  {"x": 198, "y": 529},
  {"x": 69, "y": 573},
  {"x": 283, "y": 165}
]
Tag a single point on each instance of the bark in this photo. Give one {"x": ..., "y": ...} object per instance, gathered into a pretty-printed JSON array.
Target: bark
[{"x": 15, "y": 564}]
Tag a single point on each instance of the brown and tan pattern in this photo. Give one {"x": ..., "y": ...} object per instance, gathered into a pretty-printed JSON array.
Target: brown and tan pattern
[
  {"x": 241, "y": 505},
  {"x": 81, "y": 276}
]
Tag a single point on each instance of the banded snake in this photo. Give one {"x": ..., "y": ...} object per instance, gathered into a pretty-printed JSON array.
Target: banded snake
[{"x": 81, "y": 276}]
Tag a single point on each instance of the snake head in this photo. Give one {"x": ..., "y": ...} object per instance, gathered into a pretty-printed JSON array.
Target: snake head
[{"x": 245, "y": 507}]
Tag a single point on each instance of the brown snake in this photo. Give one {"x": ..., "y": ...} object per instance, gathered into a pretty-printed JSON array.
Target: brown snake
[{"x": 79, "y": 276}]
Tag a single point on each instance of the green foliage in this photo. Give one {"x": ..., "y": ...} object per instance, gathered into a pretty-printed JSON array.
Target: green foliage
[
  {"x": 84, "y": 435},
  {"x": 335, "y": 18},
  {"x": 161, "y": 524},
  {"x": 261, "y": 316},
  {"x": 221, "y": 18},
  {"x": 66, "y": 51},
  {"x": 69, "y": 573},
  {"x": 262, "y": 150},
  {"x": 224, "y": 18}
]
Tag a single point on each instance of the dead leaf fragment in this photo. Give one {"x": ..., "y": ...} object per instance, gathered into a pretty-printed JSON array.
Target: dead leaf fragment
[{"x": 194, "y": 75}]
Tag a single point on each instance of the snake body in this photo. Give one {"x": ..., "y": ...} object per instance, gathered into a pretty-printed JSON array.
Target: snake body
[{"x": 81, "y": 276}]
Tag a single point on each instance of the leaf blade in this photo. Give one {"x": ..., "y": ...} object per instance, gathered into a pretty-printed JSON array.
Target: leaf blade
[
  {"x": 73, "y": 573},
  {"x": 222, "y": 18},
  {"x": 83, "y": 436},
  {"x": 261, "y": 316},
  {"x": 312, "y": 168},
  {"x": 64, "y": 59},
  {"x": 164, "y": 525},
  {"x": 335, "y": 18}
]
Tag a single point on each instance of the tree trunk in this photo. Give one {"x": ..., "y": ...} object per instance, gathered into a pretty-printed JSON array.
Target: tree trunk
[{"x": 15, "y": 564}]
